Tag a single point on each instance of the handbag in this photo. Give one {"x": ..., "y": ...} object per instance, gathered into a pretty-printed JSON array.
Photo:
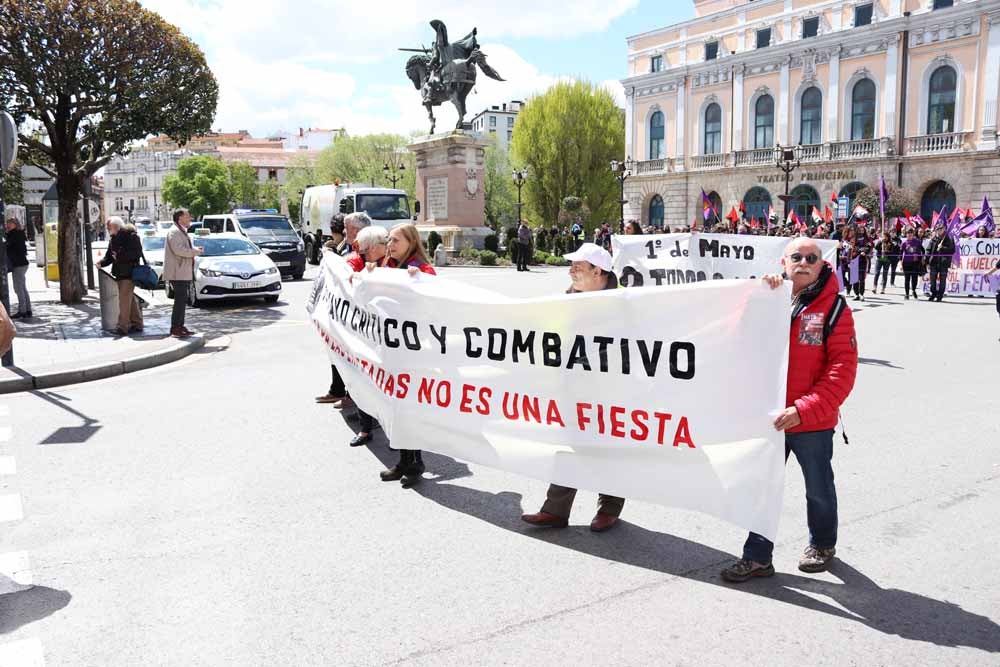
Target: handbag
[{"x": 144, "y": 276}]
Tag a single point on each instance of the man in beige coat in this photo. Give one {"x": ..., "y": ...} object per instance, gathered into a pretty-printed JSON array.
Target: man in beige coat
[{"x": 178, "y": 268}]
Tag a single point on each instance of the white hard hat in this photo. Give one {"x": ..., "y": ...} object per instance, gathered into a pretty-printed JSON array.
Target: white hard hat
[{"x": 593, "y": 253}]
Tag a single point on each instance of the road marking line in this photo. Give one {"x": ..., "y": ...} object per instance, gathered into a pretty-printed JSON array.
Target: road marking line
[
  {"x": 15, "y": 572},
  {"x": 11, "y": 508},
  {"x": 23, "y": 653},
  {"x": 7, "y": 465}
]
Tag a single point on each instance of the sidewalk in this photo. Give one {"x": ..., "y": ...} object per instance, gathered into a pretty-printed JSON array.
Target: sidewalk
[{"x": 65, "y": 344}]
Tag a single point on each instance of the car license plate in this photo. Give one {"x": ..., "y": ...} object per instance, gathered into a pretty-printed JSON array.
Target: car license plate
[
  {"x": 282, "y": 263},
  {"x": 249, "y": 285}
]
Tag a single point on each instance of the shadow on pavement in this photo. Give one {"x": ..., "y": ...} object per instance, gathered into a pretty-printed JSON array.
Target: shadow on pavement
[
  {"x": 68, "y": 435},
  {"x": 24, "y": 607},
  {"x": 887, "y": 610},
  {"x": 878, "y": 362}
]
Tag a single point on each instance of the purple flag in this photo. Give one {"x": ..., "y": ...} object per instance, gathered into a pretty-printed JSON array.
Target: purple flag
[
  {"x": 953, "y": 228},
  {"x": 853, "y": 269}
]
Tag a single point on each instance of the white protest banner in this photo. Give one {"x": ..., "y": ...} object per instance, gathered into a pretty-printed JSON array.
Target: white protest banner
[
  {"x": 969, "y": 275},
  {"x": 675, "y": 259},
  {"x": 647, "y": 394}
]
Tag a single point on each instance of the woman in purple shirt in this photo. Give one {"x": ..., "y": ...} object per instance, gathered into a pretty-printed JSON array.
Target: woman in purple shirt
[{"x": 913, "y": 255}]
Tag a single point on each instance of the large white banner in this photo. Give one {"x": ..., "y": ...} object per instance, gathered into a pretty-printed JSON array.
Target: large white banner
[
  {"x": 979, "y": 256},
  {"x": 677, "y": 259},
  {"x": 647, "y": 394}
]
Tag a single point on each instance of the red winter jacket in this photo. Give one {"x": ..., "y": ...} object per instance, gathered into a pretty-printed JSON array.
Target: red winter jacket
[{"x": 820, "y": 377}]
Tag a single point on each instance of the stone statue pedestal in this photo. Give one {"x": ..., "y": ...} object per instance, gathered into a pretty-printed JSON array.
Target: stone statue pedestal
[{"x": 451, "y": 188}]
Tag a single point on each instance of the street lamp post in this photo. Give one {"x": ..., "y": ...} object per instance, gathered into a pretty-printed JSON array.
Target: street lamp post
[
  {"x": 520, "y": 176},
  {"x": 621, "y": 170},
  {"x": 787, "y": 160},
  {"x": 393, "y": 172}
]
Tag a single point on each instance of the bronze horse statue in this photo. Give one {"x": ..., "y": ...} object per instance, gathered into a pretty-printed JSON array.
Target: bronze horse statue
[{"x": 447, "y": 72}]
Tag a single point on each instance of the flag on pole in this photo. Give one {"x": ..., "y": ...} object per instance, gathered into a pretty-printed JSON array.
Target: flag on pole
[
  {"x": 754, "y": 224},
  {"x": 733, "y": 216},
  {"x": 833, "y": 198},
  {"x": 883, "y": 199},
  {"x": 860, "y": 211},
  {"x": 793, "y": 219},
  {"x": 816, "y": 215},
  {"x": 827, "y": 215},
  {"x": 743, "y": 207},
  {"x": 706, "y": 205},
  {"x": 770, "y": 213}
]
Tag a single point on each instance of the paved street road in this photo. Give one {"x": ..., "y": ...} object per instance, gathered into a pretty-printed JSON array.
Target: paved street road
[{"x": 209, "y": 513}]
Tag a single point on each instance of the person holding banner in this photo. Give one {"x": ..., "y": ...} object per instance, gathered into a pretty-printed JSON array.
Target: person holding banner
[
  {"x": 404, "y": 250},
  {"x": 822, "y": 366},
  {"x": 590, "y": 271},
  {"x": 912, "y": 252},
  {"x": 941, "y": 250}
]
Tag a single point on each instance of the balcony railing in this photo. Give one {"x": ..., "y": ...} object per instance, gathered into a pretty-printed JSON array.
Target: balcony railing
[
  {"x": 757, "y": 157},
  {"x": 855, "y": 150},
  {"x": 949, "y": 142},
  {"x": 650, "y": 166},
  {"x": 714, "y": 161},
  {"x": 812, "y": 153}
]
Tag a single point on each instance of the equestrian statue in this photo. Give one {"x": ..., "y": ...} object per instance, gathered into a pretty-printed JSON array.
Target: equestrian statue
[{"x": 447, "y": 71}]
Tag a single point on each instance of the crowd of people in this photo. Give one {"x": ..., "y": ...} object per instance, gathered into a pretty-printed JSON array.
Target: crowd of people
[{"x": 821, "y": 372}]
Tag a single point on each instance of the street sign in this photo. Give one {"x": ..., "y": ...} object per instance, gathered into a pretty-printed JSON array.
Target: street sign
[
  {"x": 8, "y": 141},
  {"x": 843, "y": 203}
]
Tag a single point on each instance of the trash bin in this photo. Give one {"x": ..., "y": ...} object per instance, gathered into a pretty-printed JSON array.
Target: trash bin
[{"x": 108, "y": 291}]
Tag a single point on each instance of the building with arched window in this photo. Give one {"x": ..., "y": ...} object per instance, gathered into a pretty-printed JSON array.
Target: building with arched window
[{"x": 836, "y": 81}]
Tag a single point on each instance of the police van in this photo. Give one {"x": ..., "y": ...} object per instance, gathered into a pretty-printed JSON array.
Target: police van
[{"x": 268, "y": 230}]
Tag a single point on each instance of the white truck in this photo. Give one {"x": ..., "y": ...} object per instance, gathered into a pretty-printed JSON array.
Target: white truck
[{"x": 385, "y": 206}]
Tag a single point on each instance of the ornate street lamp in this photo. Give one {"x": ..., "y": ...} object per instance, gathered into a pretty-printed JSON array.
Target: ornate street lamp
[
  {"x": 787, "y": 160},
  {"x": 393, "y": 172},
  {"x": 520, "y": 176},
  {"x": 622, "y": 170}
]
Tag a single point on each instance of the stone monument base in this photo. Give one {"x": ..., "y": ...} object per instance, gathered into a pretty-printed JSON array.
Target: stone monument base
[{"x": 451, "y": 188}]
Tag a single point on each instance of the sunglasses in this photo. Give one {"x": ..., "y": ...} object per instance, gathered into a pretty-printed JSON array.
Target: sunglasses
[{"x": 797, "y": 257}]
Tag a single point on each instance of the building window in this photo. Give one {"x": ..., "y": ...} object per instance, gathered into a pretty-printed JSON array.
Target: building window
[
  {"x": 810, "y": 27},
  {"x": 142, "y": 182},
  {"x": 510, "y": 135},
  {"x": 942, "y": 4},
  {"x": 656, "y": 211},
  {"x": 119, "y": 204},
  {"x": 811, "y": 127},
  {"x": 656, "y": 136},
  {"x": 863, "y": 110},
  {"x": 764, "y": 122},
  {"x": 863, "y": 15},
  {"x": 656, "y": 64},
  {"x": 510, "y": 121},
  {"x": 757, "y": 201},
  {"x": 763, "y": 38},
  {"x": 711, "y": 51},
  {"x": 272, "y": 174},
  {"x": 941, "y": 101},
  {"x": 938, "y": 197},
  {"x": 804, "y": 198},
  {"x": 493, "y": 121},
  {"x": 713, "y": 130},
  {"x": 118, "y": 182},
  {"x": 143, "y": 202}
]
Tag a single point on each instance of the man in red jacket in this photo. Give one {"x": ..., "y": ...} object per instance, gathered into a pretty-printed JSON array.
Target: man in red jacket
[{"x": 822, "y": 364}]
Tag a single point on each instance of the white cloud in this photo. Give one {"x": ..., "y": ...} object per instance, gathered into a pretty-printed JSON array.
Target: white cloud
[{"x": 325, "y": 63}]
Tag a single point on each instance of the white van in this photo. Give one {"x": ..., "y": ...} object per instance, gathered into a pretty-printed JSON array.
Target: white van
[{"x": 385, "y": 206}]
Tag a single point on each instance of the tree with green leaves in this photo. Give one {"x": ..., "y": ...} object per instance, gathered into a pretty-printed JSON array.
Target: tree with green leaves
[
  {"x": 900, "y": 199},
  {"x": 567, "y": 138},
  {"x": 269, "y": 195},
  {"x": 200, "y": 185},
  {"x": 13, "y": 184},
  {"x": 362, "y": 160},
  {"x": 98, "y": 75},
  {"x": 500, "y": 194},
  {"x": 244, "y": 188}
]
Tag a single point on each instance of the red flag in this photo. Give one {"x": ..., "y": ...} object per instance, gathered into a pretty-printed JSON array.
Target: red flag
[
  {"x": 827, "y": 214},
  {"x": 833, "y": 197},
  {"x": 906, "y": 213},
  {"x": 754, "y": 224},
  {"x": 743, "y": 208},
  {"x": 816, "y": 215},
  {"x": 733, "y": 216}
]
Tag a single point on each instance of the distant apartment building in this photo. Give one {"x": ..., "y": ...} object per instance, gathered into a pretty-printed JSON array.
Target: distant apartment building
[
  {"x": 901, "y": 89},
  {"x": 136, "y": 180},
  {"x": 311, "y": 139},
  {"x": 498, "y": 121}
]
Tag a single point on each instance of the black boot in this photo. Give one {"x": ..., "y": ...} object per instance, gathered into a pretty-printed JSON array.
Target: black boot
[
  {"x": 414, "y": 471},
  {"x": 400, "y": 469}
]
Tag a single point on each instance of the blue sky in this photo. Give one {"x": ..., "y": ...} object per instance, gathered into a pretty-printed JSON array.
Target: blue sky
[{"x": 334, "y": 63}]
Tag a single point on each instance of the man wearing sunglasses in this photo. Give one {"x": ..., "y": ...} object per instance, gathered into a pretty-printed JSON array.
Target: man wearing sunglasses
[{"x": 822, "y": 364}]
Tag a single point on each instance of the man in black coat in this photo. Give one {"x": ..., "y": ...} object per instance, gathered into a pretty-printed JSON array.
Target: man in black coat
[
  {"x": 941, "y": 250},
  {"x": 17, "y": 265},
  {"x": 123, "y": 255}
]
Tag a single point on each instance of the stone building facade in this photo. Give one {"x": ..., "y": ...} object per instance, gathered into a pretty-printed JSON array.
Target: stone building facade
[{"x": 901, "y": 89}]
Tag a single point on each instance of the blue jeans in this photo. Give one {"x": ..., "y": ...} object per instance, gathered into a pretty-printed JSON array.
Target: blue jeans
[{"x": 814, "y": 451}]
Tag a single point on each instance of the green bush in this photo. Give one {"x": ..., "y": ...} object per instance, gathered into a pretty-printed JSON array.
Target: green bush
[
  {"x": 539, "y": 257},
  {"x": 468, "y": 252},
  {"x": 491, "y": 242},
  {"x": 488, "y": 258},
  {"x": 511, "y": 240},
  {"x": 555, "y": 260},
  {"x": 433, "y": 241}
]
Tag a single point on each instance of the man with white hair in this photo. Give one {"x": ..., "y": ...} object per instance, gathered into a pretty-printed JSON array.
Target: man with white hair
[
  {"x": 124, "y": 251},
  {"x": 822, "y": 365}
]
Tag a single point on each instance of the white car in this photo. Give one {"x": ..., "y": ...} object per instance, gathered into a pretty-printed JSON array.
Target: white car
[
  {"x": 164, "y": 225},
  {"x": 232, "y": 267},
  {"x": 152, "y": 249}
]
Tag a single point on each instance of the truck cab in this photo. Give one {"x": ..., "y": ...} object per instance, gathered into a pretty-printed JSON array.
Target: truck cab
[{"x": 385, "y": 206}]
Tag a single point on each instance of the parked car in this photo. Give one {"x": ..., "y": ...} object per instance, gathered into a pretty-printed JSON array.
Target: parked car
[
  {"x": 232, "y": 267},
  {"x": 271, "y": 231},
  {"x": 153, "y": 244}
]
